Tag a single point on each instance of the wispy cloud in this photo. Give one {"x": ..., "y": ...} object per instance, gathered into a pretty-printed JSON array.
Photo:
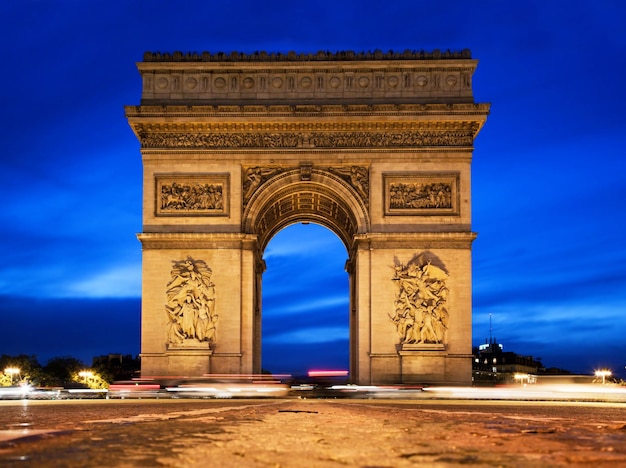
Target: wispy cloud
[
  {"x": 310, "y": 335},
  {"x": 304, "y": 241},
  {"x": 122, "y": 281},
  {"x": 307, "y": 305}
]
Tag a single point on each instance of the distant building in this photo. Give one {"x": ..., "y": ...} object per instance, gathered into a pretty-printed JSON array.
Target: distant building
[
  {"x": 117, "y": 366},
  {"x": 492, "y": 365}
]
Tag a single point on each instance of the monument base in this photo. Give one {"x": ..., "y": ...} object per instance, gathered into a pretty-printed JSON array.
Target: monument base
[
  {"x": 177, "y": 362},
  {"x": 423, "y": 347},
  {"x": 434, "y": 366}
]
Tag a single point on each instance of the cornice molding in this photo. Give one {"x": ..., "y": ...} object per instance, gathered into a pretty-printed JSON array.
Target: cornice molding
[
  {"x": 291, "y": 56},
  {"x": 300, "y": 110},
  {"x": 197, "y": 240},
  {"x": 415, "y": 241},
  {"x": 455, "y": 131},
  {"x": 305, "y": 126},
  {"x": 456, "y": 153}
]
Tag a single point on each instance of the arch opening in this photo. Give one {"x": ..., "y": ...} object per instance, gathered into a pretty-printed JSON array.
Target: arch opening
[
  {"x": 305, "y": 311},
  {"x": 323, "y": 198}
]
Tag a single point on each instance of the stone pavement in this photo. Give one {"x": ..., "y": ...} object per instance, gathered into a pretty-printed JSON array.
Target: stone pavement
[{"x": 338, "y": 433}]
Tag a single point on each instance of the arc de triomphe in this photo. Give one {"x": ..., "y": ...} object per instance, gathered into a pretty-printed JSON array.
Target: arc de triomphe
[{"x": 376, "y": 146}]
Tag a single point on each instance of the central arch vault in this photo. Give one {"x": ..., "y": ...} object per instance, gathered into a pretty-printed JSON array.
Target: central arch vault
[
  {"x": 306, "y": 195},
  {"x": 376, "y": 147}
]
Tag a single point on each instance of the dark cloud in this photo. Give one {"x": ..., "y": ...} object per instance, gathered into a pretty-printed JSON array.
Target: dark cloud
[{"x": 80, "y": 328}]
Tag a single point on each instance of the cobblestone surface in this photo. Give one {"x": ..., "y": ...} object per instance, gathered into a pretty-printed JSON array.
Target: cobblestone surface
[{"x": 328, "y": 433}]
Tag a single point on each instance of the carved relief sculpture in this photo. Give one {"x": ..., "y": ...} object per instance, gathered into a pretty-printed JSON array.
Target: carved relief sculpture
[
  {"x": 190, "y": 304},
  {"x": 357, "y": 177},
  {"x": 417, "y": 195},
  {"x": 421, "y": 194},
  {"x": 191, "y": 195},
  {"x": 254, "y": 177},
  {"x": 420, "y": 308}
]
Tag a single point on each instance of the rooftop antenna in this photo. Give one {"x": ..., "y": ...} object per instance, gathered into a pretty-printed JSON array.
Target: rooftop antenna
[{"x": 490, "y": 329}]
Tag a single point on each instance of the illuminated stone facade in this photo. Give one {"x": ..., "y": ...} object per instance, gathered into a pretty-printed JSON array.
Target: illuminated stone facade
[{"x": 375, "y": 146}]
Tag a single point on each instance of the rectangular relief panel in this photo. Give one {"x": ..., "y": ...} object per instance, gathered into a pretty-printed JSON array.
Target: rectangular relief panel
[
  {"x": 421, "y": 193},
  {"x": 192, "y": 194}
]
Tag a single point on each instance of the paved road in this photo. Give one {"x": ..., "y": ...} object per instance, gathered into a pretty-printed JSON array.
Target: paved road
[{"x": 311, "y": 433}]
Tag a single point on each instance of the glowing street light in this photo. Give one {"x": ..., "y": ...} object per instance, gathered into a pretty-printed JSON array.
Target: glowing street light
[
  {"x": 12, "y": 371},
  {"x": 85, "y": 375},
  {"x": 521, "y": 378},
  {"x": 604, "y": 373}
]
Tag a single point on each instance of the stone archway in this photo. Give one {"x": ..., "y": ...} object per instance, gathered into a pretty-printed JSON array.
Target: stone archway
[
  {"x": 376, "y": 147},
  {"x": 306, "y": 193},
  {"x": 322, "y": 196}
]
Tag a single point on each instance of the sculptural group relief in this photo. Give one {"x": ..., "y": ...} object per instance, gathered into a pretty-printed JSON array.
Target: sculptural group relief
[
  {"x": 253, "y": 177},
  {"x": 421, "y": 194},
  {"x": 420, "y": 308},
  {"x": 190, "y": 305},
  {"x": 191, "y": 195},
  {"x": 425, "y": 196},
  {"x": 357, "y": 177}
]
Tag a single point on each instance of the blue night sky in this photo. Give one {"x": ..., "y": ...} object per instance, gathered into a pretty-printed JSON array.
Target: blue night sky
[{"x": 548, "y": 172}]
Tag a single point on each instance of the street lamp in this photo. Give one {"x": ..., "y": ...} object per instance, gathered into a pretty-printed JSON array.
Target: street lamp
[
  {"x": 521, "y": 378},
  {"x": 604, "y": 373},
  {"x": 85, "y": 375},
  {"x": 12, "y": 371}
]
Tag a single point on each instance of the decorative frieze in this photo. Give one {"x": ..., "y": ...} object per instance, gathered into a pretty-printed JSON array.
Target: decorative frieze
[
  {"x": 192, "y": 195},
  {"x": 419, "y": 193},
  {"x": 265, "y": 77},
  {"x": 311, "y": 140},
  {"x": 312, "y": 81}
]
